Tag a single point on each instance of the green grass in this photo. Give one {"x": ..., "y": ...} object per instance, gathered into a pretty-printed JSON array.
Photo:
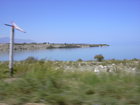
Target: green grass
[{"x": 40, "y": 82}]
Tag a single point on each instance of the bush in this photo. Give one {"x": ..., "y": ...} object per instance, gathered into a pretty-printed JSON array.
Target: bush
[
  {"x": 99, "y": 57},
  {"x": 80, "y": 60},
  {"x": 30, "y": 59}
]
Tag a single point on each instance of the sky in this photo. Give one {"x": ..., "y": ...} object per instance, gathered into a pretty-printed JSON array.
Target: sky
[{"x": 73, "y": 21}]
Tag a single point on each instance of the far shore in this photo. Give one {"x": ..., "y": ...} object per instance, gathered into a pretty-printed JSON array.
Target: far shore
[{"x": 35, "y": 46}]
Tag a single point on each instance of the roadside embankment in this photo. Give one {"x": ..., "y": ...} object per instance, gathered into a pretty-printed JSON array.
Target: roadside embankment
[{"x": 40, "y": 82}]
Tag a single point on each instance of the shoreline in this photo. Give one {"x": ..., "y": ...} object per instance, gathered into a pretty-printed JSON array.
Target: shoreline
[{"x": 36, "y": 46}]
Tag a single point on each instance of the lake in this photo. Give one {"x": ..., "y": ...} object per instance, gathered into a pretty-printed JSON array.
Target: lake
[{"x": 65, "y": 54}]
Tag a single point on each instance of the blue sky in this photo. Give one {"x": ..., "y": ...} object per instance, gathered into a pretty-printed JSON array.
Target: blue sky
[{"x": 73, "y": 21}]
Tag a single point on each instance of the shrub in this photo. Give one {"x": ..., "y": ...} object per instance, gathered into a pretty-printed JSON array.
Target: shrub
[
  {"x": 50, "y": 47},
  {"x": 80, "y": 60},
  {"x": 99, "y": 57},
  {"x": 30, "y": 59},
  {"x": 44, "y": 42}
]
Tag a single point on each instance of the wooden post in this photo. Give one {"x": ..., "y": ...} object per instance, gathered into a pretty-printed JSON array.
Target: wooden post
[{"x": 11, "y": 48}]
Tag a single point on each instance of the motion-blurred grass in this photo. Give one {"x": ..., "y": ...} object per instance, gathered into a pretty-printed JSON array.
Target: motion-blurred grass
[{"x": 39, "y": 81}]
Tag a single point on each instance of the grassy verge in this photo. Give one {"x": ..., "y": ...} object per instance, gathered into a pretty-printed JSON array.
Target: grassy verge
[{"x": 41, "y": 82}]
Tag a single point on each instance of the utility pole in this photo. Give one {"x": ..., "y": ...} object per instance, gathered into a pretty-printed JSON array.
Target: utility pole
[{"x": 11, "y": 47}]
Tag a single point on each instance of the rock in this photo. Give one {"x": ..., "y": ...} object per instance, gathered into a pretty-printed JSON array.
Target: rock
[{"x": 96, "y": 70}]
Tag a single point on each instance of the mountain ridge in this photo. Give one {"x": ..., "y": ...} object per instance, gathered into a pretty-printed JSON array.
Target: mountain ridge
[{"x": 6, "y": 40}]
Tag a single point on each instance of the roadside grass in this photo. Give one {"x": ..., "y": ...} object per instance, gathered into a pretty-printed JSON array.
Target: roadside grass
[{"x": 41, "y": 82}]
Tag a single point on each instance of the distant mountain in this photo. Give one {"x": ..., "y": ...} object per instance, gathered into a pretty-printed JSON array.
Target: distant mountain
[{"x": 6, "y": 40}]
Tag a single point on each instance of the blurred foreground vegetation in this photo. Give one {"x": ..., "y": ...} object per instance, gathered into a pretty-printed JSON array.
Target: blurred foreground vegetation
[{"x": 39, "y": 81}]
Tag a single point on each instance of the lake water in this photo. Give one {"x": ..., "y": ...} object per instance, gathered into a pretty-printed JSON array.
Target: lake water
[{"x": 65, "y": 54}]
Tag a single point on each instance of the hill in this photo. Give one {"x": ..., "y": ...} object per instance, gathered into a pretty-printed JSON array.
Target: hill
[{"x": 6, "y": 40}]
